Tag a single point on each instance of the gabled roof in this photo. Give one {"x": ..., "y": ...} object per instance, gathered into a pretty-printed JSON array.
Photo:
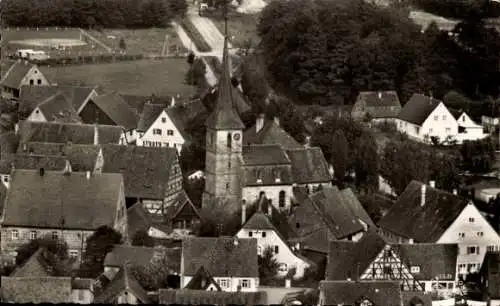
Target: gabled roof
[
  {"x": 138, "y": 219},
  {"x": 16, "y": 73},
  {"x": 309, "y": 166},
  {"x": 382, "y": 104},
  {"x": 35, "y": 162},
  {"x": 202, "y": 297},
  {"x": 31, "y": 268},
  {"x": 37, "y": 289},
  {"x": 113, "y": 105},
  {"x": 146, "y": 170},
  {"x": 408, "y": 218},
  {"x": 148, "y": 116},
  {"x": 263, "y": 155},
  {"x": 355, "y": 259},
  {"x": 380, "y": 293},
  {"x": 225, "y": 116},
  {"x": 58, "y": 108},
  {"x": 316, "y": 241},
  {"x": 182, "y": 204},
  {"x": 201, "y": 281},
  {"x": 259, "y": 221},
  {"x": 418, "y": 109},
  {"x": 123, "y": 254},
  {"x": 123, "y": 281},
  {"x": 82, "y": 203},
  {"x": 221, "y": 256},
  {"x": 271, "y": 133},
  {"x": 358, "y": 210},
  {"x": 183, "y": 113},
  {"x": 442, "y": 265},
  {"x": 58, "y": 132}
]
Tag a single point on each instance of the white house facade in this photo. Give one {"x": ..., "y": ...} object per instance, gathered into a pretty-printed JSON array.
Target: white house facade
[
  {"x": 162, "y": 133},
  {"x": 468, "y": 129},
  {"x": 230, "y": 284}
]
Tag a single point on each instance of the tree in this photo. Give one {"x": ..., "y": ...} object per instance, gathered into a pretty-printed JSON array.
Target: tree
[
  {"x": 100, "y": 243},
  {"x": 268, "y": 265},
  {"x": 196, "y": 73},
  {"x": 478, "y": 156},
  {"x": 154, "y": 275},
  {"x": 142, "y": 238},
  {"x": 340, "y": 153},
  {"x": 53, "y": 255}
]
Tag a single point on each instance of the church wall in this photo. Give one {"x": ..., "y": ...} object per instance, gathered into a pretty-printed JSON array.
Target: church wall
[{"x": 252, "y": 193}]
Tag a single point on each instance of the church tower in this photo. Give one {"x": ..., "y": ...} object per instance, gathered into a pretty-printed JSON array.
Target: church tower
[{"x": 224, "y": 140}]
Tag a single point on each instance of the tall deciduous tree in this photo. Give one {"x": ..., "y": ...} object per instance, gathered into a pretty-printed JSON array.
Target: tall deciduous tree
[
  {"x": 340, "y": 156},
  {"x": 154, "y": 275},
  {"x": 100, "y": 243}
]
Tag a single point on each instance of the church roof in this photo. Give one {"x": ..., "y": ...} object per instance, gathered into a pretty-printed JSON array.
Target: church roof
[{"x": 225, "y": 116}]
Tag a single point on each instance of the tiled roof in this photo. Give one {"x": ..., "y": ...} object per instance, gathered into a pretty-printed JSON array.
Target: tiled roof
[
  {"x": 443, "y": 263},
  {"x": 148, "y": 116},
  {"x": 309, "y": 166},
  {"x": 146, "y": 170},
  {"x": 137, "y": 103},
  {"x": 35, "y": 162},
  {"x": 259, "y": 221},
  {"x": 138, "y": 219},
  {"x": 15, "y": 74},
  {"x": 123, "y": 281},
  {"x": 418, "y": 108},
  {"x": 65, "y": 132},
  {"x": 122, "y": 254},
  {"x": 201, "y": 281},
  {"x": 82, "y": 203},
  {"x": 315, "y": 241},
  {"x": 408, "y": 218},
  {"x": 263, "y": 155},
  {"x": 58, "y": 108},
  {"x": 221, "y": 256},
  {"x": 380, "y": 293},
  {"x": 31, "y": 268},
  {"x": 182, "y": 204},
  {"x": 271, "y": 133},
  {"x": 183, "y": 113},
  {"x": 202, "y": 297},
  {"x": 356, "y": 207},
  {"x": 383, "y": 104},
  {"x": 344, "y": 265},
  {"x": 113, "y": 105},
  {"x": 82, "y": 283},
  {"x": 37, "y": 289}
]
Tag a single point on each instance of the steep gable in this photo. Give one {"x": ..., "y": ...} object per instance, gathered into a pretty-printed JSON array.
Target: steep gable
[
  {"x": 270, "y": 133},
  {"x": 418, "y": 109}
]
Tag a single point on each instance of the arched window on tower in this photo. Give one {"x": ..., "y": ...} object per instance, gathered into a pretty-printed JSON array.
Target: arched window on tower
[
  {"x": 229, "y": 140},
  {"x": 282, "y": 198}
]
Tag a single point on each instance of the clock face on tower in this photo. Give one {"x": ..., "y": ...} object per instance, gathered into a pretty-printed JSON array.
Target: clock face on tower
[{"x": 236, "y": 136}]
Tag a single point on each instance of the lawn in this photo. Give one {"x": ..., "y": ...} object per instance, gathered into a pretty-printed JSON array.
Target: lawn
[
  {"x": 145, "y": 77},
  {"x": 141, "y": 41},
  {"x": 242, "y": 26}
]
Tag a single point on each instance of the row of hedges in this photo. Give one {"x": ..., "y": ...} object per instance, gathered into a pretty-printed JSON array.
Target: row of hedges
[
  {"x": 95, "y": 59},
  {"x": 200, "y": 42}
]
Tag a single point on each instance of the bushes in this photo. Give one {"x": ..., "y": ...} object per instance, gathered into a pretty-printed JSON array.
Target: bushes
[
  {"x": 195, "y": 36},
  {"x": 92, "y": 13}
]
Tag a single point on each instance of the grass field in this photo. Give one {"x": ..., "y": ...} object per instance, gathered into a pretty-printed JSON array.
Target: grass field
[
  {"x": 242, "y": 26},
  {"x": 144, "y": 77},
  {"x": 141, "y": 41}
]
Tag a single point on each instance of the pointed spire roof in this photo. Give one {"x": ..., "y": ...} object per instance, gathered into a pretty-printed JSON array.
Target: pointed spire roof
[{"x": 224, "y": 115}]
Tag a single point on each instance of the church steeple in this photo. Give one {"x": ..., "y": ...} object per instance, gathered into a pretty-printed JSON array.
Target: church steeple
[{"x": 224, "y": 115}]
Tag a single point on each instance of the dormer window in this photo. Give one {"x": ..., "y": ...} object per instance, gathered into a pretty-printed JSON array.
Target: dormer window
[{"x": 415, "y": 269}]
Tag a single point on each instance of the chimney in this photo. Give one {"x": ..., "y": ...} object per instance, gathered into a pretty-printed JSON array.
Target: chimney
[
  {"x": 172, "y": 102},
  {"x": 42, "y": 172},
  {"x": 87, "y": 174},
  {"x": 259, "y": 123},
  {"x": 455, "y": 191},
  {"x": 96, "y": 135},
  {"x": 432, "y": 184},
  {"x": 67, "y": 168},
  {"x": 380, "y": 95},
  {"x": 288, "y": 283},
  {"x": 277, "y": 121},
  {"x": 422, "y": 197},
  {"x": 243, "y": 212}
]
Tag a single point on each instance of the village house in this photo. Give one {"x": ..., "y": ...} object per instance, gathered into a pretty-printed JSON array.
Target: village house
[
  {"x": 54, "y": 108},
  {"x": 111, "y": 109},
  {"x": 32, "y": 96},
  {"x": 19, "y": 74},
  {"x": 329, "y": 214},
  {"x": 374, "y": 259},
  {"x": 423, "y": 118},
  {"x": 62, "y": 209},
  {"x": 123, "y": 288},
  {"x": 165, "y": 126},
  {"x": 261, "y": 226},
  {"x": 365, "y": 293},
  {"x": 37, "y": 290},
  {"x": 231, "y": 261},
  {"x": 210, "y": 297},
  {"x": 182, "y": 217},
  {"x": 425, "y": 214},
  {"x": 376, "y": 107}
]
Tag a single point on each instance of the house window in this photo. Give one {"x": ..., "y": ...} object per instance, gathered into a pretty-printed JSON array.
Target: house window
[
  {"x": 436, "y": 118},
  {"x": 229, "y": 140},
  {"x": 297, "y": 225},
  {"x": 480, "y": 234},
  {"x": 387, "y": 270},
  {"x": 250, "y": 234},
  {"x": 156, "y": 131},
  {"x": 170, "y": 132},
  {"x": 39, "y": 82},
  {"x": 283, "y": 267},
  {"x": 471, "y": 220},
  {"x": 461, "y": 235},
  {"x": 245, "y": 283},
  {"x": 263, "y": 234},
  {"x": 276, "y": 249},
  {"x": 81, "y": 295},
  {"x": 32, "y": 235},
  {"x": 73, "y": 253},
  {"x": 444, "y": 117},
  {"x": 223, "y": 283},
  {"x": 15, "y": 234},
  {"x": 227, "y": 186},
  {"x": 472, "y": 250},
  {"x": 415, "y": 269},
  {"x": 55, "y": 235},
  {"x": 448, "y": 130},
  {"x": 6, "y": 178},
  {"x": 32, "y": 82},
  {"x": 163, "y": 119},
  {"x": 282, "y": 198}
]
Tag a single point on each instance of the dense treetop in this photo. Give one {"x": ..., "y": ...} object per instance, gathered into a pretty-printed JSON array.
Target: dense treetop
[{"x": 92, "y": 13}]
